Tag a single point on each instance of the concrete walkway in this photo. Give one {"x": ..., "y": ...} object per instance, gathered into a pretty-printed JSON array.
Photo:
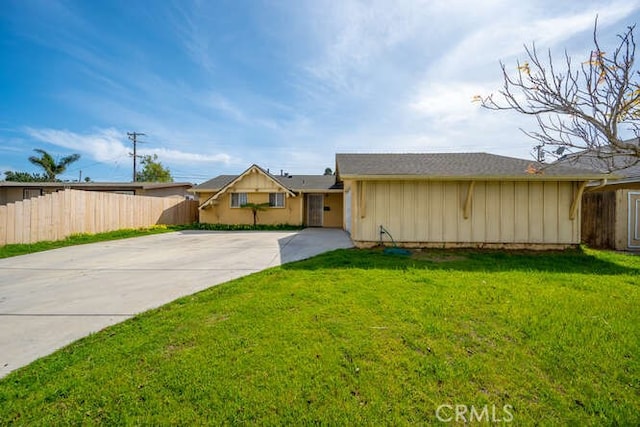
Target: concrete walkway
[{"x": 50, "y": 299}]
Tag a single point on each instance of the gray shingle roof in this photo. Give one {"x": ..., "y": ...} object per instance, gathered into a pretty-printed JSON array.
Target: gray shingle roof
[
  {"x": 451, "y": 165},
  {"x": 292, "y": 182},
  {"x": 215, "y": 183},
  {"x": 308, "y": 182},
  {"x": 592, "y": 162}
]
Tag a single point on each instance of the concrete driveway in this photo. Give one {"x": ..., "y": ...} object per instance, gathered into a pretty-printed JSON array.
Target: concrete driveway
[{"x": 49, "y": 299}]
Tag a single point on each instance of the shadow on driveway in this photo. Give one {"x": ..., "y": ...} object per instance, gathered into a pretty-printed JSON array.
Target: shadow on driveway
[{"x": 50, "y": 299}]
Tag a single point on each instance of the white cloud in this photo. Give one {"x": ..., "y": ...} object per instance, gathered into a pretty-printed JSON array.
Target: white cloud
[
  {"x": 109, "y": 145},
  {"x": 104, "y": 146},
  {"x": 224, "y": 105},
  {"x": 504, "y": 37},
  {"x": 352, "y": 75},
  {"x": 190, "y": 23},
  {"x": 180, "y": 157},
  {"x": 449, "y": 102},
  {"x": 351, "y": 34},
  {"x": 353, "y": 38}
]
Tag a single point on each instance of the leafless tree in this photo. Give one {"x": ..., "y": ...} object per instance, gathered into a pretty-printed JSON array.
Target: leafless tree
[{"x": 589, "y": 109}]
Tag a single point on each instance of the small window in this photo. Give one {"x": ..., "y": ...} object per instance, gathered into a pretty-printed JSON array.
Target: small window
[
  {"x": 28, "y": 193},
  {"x": 238, "y": 200},
  {"x": 276, "y": 200}
]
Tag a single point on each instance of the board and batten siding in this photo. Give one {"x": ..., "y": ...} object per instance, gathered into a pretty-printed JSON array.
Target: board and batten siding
[{"x": 501, "y": 212}]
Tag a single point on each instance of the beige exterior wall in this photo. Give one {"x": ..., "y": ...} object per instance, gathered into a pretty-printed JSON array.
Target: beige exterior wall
[
  {"x": 164, "y": 192},
  {"x": 433, "y": 212},
  {"x": 10, "y": 195},
  {"x": 15, "y": 194},
  {"x": 332, "y": 218},
  {"x": 294, "y": 211},
  {"x": 257, "y": 186},
  {"x": 222, "y": 212}
]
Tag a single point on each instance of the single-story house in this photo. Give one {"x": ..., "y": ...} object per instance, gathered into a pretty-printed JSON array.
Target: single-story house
[
  {"x": 11, "y": 191},
  {"x": 461, "y": 200},
  {"x": 312, "y": 200},
  {"x": 442, "y": 200},
  {"x": 611, "y": 210}
]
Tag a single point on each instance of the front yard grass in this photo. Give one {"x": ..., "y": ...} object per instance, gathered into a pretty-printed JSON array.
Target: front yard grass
[{"x": 358, "y": 337}]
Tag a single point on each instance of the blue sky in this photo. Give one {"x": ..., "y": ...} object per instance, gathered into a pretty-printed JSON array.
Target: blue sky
[{"x": 219, "y": 85}]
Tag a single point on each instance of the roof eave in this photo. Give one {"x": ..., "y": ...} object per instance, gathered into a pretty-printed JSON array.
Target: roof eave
[
  {"x": 317, "y": 190},
  {"x": 531, "y": 177},
  {"x": 203, "y": 190}
]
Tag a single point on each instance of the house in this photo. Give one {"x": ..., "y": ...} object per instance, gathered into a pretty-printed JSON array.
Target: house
[
  {"x": 611, "y": 210},
  {"x": 311, "y": 200},
  {"x": 461, "y": 200},
  {"x": 441, "y": 200},
  {"x": 11, "y": 192}
]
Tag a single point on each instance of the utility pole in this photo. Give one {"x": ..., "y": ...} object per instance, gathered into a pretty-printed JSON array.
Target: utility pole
[
  {"x": 539, "y": 153},
  {"x": 133, "y": 136}
]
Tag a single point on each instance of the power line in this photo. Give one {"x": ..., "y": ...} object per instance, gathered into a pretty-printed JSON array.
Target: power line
[{"x": 133, "y": 136}]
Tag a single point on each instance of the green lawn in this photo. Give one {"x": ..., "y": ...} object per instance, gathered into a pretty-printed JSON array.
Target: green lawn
[{"x": 358, "y": 337}]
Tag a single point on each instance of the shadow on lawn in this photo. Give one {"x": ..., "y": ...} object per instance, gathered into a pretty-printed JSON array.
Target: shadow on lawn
[{"x": 570, "y": 261}]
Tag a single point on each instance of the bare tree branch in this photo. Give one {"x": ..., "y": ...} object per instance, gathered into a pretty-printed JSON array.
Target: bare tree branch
[{"x": 579, "y": 109}]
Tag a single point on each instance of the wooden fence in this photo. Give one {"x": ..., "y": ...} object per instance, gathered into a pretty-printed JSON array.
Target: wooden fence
[
  {"x": 59, "y": 215},
  {"x": 599, "y": 219}
]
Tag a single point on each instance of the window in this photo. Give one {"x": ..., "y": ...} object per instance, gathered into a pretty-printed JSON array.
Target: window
[
  {"x": 276, "y": 200},
  {"x": 238, "y": 199},
  {"x": 28, "y": 193}
]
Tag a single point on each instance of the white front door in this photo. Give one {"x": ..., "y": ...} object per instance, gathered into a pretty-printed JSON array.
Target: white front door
[
  {"x": 315, "y": 210},
  {"x": 634, "y": 220}
]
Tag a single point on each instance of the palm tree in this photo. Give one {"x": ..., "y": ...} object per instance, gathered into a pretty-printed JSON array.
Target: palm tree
[
  {"x": 255, "y": 208},
  {"x": 50, "y": 167}
]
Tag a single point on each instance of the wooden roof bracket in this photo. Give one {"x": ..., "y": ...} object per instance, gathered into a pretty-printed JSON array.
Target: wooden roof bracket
[
  {"x": 468, "y": 200},
  {"x": 603, "y": 183},
  {"x": 362, "y": 200},
  {"x": 573, "y": 211},
  {"x": 206, "y": 203}
]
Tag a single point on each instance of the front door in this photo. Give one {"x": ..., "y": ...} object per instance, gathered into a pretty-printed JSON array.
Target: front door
[
  {"x": 315, "y": 210},
  {"x": 634, "y": 220}
]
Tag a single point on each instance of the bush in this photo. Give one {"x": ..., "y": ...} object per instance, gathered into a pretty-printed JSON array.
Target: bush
[{"x": 243, "y": 227}]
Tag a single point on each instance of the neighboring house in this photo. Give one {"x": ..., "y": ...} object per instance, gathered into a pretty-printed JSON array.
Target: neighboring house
[
  {"x": 11, "y": 192},
  {"x": 311, "y": 200},
  {"x": 461, "y": 200},
  {"x": 443, "y": 200},
  {"x": 611, "y": 210}
]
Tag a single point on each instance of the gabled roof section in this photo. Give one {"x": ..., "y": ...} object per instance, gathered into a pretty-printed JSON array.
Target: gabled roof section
[
  {"x": 627, "y": 167},
  {"x": 214, "y": 184},
  {"x": 224, "y": 188},
  {"x": 308, "y": 183},
  {"x": 454, "y": 166},
  {"x": 304, "y": 183}
]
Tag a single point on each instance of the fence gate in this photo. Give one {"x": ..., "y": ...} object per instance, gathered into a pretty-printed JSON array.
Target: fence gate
[{"x": 634, "y": 220}]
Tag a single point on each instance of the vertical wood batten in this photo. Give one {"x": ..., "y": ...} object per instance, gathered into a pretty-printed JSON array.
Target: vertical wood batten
[
  {"x": 57, "y": 215},
  {"x": 3, "y": 225}
]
